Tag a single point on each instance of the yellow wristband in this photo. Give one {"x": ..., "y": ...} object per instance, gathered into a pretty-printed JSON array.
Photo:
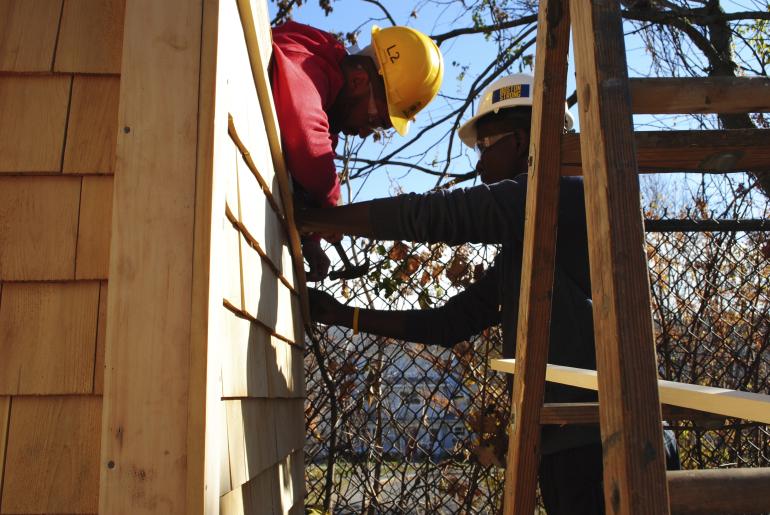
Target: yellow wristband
[{"x": 355, "y": 320}]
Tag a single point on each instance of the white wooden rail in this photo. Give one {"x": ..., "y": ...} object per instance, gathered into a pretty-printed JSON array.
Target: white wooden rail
[{"x": 722, "y": 401}]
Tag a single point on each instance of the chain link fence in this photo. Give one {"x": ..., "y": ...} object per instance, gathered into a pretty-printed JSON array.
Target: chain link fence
[{"x": 397, "y": 427}]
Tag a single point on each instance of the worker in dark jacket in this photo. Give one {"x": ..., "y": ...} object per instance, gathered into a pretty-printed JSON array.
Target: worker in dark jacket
[
  {"x": 320, "y": 91},
  {"x": 571, "y": 467}
]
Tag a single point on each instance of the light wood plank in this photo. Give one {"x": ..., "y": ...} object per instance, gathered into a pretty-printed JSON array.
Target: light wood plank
[
  {"x": 101, "y": 331},
  {"x": 208, "y": 476},
  {"x": 291, "y": 485},
  {"x": 33, "y": 123},
  {"x": 251, "y": 433},
  {"x": 92, "y": 129},
  {"x": 538, "y": 257},
  {"x": 256, "y": 496},
  {"x": 5, "y": 414},
  {"x": 38, "y": 227},
  {"x": 285, "y": 371},
  {"x": 259, "y": 218},
  {"x": 256, "y": 23},
  {"x": 632, "y": 439},
  {"x": 28, "y": 34},
  {"x": 231, "y": 265},
  {"x": 289, "y": 417},
  {"x": 243, "y": 356},
  {"x": 722, "y": 401},
  {"x": 675, "y": 151},
  {"x": 48, "y": 337},
  {"x": 91, "y": 36},
  {"x": 230, "y": 168},
  {"x": 52, "y": 461},
  {"x": 151, "y": 265},
  {"x": 93, "y": 249},
  {"x": 700, "y": 95}
]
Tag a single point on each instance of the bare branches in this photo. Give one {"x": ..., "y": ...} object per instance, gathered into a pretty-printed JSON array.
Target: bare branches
[
  {"x": 384, "y": 10},
  {"x": 484, "y": 29}
]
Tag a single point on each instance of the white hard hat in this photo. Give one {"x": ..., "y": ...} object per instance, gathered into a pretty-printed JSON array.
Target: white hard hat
[{"x": 506, "y": 92}]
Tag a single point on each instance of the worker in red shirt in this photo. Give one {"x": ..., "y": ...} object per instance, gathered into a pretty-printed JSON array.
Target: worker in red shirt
[{"x": 320, "y": 90}]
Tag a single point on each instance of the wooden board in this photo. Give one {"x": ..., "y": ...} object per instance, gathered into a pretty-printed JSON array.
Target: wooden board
[
  {"x": 101, "y": 331},
  {"x": 730, "y": 403},
  {"x": 5, "y": 413},
  {"x": 251, "y": 430},
  {"x": 90, "y": 36},
  {"x": 256, "y": 23},
  {"x": 256, "y": 496},
  {"x": 675, "y": 151},
  {"x": 532, "y": 335},
  {"x": 290, "y": 435},
  {"x": 92, "y": 129},
  {"x": 278, "y": 490},
  {"x": 632, "y": 439},
  {"x": 241, "y": 100},
  {"x": 230, "y": 265},
  {"x": 700, "y": 95},
  {"x": 243, "y": 347},
  {"x": 38, "y": 227},
  {"x": 148, "y": 349},
  {"x": 28, "y": 34},
  {"x": 33, "y": 123},
  {"x": 48, "y": 337},
  {"x": 285, "y": 373},
  {"x": 52, "y": 462},
  {"x": 92, "y": 260}
]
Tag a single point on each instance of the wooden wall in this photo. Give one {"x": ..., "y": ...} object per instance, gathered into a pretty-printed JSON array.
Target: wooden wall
[
  {"x": 60, "y": 66},
  {"x": 262, "y": 383},
  {"x": 138, "y": 141}
]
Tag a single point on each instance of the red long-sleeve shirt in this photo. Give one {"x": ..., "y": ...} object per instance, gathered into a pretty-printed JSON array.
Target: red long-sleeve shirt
[{"x": 306, "y": 78}]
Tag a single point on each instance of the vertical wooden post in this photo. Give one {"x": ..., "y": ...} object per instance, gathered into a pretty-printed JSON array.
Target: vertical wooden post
[
  {"x": 539, "y": 256},
  {"x": 145, "y": 458},
  {"x": 634, "y": 465}
]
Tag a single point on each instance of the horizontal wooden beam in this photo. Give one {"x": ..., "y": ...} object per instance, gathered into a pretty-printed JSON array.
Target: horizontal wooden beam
[
  {"x": 700, "y": 95},
  {"x": 730, "y": 403},
  {"x": 586, "y": 413},
  {"x": 678, "y": 151},
  {"x": 716, "y": 491}
]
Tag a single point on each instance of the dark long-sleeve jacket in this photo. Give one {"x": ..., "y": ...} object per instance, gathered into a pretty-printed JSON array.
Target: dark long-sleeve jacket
[{"x": 495, "y": 214}]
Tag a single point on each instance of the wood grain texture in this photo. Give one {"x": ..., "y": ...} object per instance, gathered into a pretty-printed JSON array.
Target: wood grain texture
[
  {"x": 230, "y": 266},
  {"x": 48, "y": 337},
  {"x": 675, "y": 151},
  {"x": 90, "y": 36},
  {"x": 148, "y": 354},
  {"x": 101, "y": 331},
  {"x": 700, "y": 95},
  {"x": 92, "y": 260},
  {"x": 251, "y": 429},
  {"x": 285, "y": 370},
  {"x": 290, "y": 436},
  {"x": 33, "y": 123},
  {"x": 28, "y": 31},
  {"x": 556, "y": 413},
  {"x": 277, "y": 491},
  {"x": 258, "y": 495},
  {"x": 632, "y": 440},
  {"x": 256, "y": 23},
  {"x": 52, "y": 462},
  {"x": 92, "y": 129},
  {"x": 719, "y": 491},
  {"x": 5, "y": 413},
  {"x": 538, "y": 257},
  {"x": 38, "y": 227},
  {"x": 245, "y": 370}
]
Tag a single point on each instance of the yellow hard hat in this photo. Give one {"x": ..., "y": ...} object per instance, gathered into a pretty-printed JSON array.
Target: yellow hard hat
[{"x": 412, "y": 67}]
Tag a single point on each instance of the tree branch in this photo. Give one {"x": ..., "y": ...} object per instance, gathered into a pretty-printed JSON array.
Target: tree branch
[{"x": 525, "y": 20}]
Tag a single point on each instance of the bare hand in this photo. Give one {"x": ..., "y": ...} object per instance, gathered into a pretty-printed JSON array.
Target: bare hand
[{"x": 316, "y": 260}]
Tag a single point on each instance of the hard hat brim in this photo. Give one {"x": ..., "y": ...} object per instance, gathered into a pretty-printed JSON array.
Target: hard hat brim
[
  {"x": 467, "y": 131},
  {"x": 400, "y": 123}
]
